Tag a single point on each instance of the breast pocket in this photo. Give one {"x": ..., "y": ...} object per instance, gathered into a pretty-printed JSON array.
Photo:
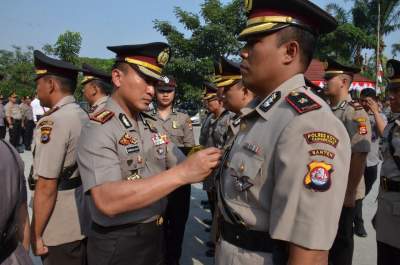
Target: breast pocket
[{"x": 132, "y": 167}]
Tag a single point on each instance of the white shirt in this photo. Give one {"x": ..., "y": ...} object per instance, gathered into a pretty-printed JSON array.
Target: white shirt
[{"x": 37, "y": 109}]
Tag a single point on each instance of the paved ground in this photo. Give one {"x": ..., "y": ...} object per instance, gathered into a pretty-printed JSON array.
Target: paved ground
[{"x": 195, "y": 236}]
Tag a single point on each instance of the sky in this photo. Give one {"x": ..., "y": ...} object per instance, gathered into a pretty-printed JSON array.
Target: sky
[{"x": 101, "y": 23}]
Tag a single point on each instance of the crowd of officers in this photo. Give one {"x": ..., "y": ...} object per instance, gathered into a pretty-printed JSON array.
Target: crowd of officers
[
  {"x": 281, "y": 162},
  {"x": 18, "y": 117}
]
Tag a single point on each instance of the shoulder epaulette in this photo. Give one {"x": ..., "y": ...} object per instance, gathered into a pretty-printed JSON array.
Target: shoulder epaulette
[
  {"x": 301, "y": 102},
  {"x": 102, "y": 116},
  {"x": 356, "y": 105}
]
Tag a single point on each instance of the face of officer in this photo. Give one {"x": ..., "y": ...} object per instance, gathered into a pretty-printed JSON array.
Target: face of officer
[
  {"x": 44, "y": 87},
  {"x": 214, "y": 105},
  {"x": 234, "y": 97},
  {"x": 165, "y": 98},
  {"x": 337, "y": 85},
  {"x": 135, "y": 90},
  {"x": 394, "y": 98}
]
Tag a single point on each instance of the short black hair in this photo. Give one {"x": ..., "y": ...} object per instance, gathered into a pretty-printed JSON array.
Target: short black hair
[
  {"x": 122, "y": 66},
  {"x": 305, "y": 38},
  {"x": 104, "y": 87},
  {"x": 67, "y": 85},
  {"x": 368, "y": 92}
]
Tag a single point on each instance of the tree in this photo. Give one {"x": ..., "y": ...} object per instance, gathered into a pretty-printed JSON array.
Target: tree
[
  {"x": 210, "y": 36},
  {"x": 66, "y": 48},
  {"x": 17, "y": 68}
]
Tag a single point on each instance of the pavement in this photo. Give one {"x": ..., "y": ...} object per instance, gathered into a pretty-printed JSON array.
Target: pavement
[{"x": 195, "y": 237}]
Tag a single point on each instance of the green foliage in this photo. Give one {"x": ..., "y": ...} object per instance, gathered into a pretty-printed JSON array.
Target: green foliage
[
  {"x": 67, "y": 47},
  {"x": 210, "y": 36},
  {"x": 18, "y": 71}
]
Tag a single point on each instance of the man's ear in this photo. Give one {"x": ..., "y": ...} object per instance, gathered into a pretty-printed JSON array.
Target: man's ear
[
  {"x": 292, "y": 51},
  {"x": 53, "y": 84},
  {"x": 116, "y": 76}
]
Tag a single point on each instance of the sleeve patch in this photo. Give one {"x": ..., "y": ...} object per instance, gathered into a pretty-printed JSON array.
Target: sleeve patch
[
  {"x": 318, "y": 177},
  {"x": 45, "y": 134},
  {"x": 321, "y": 152},
  {"x": 301, "y": 102},
  {"x": 102, "y": 116},
  {"x": 321, "y": 137}
]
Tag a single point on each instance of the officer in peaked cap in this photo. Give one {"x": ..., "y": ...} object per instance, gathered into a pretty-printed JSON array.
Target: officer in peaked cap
[
  {"x": 57, "y": 203},
  {"x": 356, "y": 121},
  {"x": 127, "y": 163},
  {"x": 388, "y": 214},
  {"x": 267, "y": 192},
  {"x": 96, "y": 87},
  {"x": 178, "y": 126}
]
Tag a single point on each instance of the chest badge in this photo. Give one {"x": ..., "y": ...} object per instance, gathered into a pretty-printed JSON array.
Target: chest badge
[
  {"x": 175, "y": 125},
  {"x": 127, "y": 139}
]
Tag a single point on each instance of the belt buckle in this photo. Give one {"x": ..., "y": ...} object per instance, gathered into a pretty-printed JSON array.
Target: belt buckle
[{"x": 159, "y": 221}]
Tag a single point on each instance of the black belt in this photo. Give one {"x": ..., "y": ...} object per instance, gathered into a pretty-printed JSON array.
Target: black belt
[
  {"x": 7, "y": 246},
  {"x": 247, "y": 239},
  {"x": 109, "y": 229},
  {"x": 69, "y": 184},
  {"x": 390, "y": 185}
]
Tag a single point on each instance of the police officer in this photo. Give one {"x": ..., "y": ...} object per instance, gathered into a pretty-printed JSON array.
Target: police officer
[
  {"x": 123, "y": 157},
  {"x": 96, "y": 87},
  {"x": 388, "y": 214},
  {"x": 178, "y": 126},
  {"x": 14, "y": 119},
  {"x": 27, "y": 120},
  {"x": 291, "y": 154},
  {"x": 14, "y": 219},
  {"x": 356, "y": 121},
  {"x": 57, "y": 203},
  {"x": 234, "y": 96}
]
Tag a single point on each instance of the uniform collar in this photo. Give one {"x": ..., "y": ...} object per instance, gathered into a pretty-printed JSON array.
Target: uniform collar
[
  {"x": 272, "y": 100},
  {"x": 100, "y": 101},
  {"x": 342, "y": 103},
  {"x": 123, "y": 118},
  {"x": 64, "y": 101}
]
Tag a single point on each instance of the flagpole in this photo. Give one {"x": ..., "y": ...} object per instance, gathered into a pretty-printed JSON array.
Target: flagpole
[{"x": 378, "y": 64}]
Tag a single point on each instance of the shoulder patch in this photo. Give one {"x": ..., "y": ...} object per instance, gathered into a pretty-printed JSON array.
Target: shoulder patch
[
  {"x": 102, "y": 116},
  {"x": 356, "y": 105},
  {"x": 301, "y": 102}
]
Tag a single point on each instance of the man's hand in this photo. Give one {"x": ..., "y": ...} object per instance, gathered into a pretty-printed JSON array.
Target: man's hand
[
  {"x": 199, "y": 165},
  {"x": 38, "y": 247},
  {"x": 372, "y": 105}
]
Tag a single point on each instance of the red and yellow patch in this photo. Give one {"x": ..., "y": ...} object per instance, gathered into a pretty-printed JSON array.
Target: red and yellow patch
[
  {"x": 45, "y": 132},
  {"x": 318, "y": 177},
  {"x": 362, "y": 126},
  {"x": 102, "y": 116}
]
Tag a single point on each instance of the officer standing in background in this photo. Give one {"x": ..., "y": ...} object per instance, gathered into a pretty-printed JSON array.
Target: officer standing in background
[
  {"x": 27, "y": 120},
  {"x": 96, "y": 87},
  {"x": 14, "y": 119},
  {"x": 356, "y": 121},
  {"x": 369, "y": 101},
  {"x": 291, "y": 154},
  {"x": 57, "y": 202},
  {"x": 128, "y": 163},
  {"x": 3, "y": 128},
  {"x": 178, "y": 127},
  {"x": 14, "y": 219},
  {"x": 388, "y": 213}
]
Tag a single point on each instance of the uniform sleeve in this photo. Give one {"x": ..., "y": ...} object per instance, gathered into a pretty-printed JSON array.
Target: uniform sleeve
[
  {"x": 188, "y": 139},
  {"x": 97, "y": 157},
  {"x": 359, "y": 128},
  {"x": 311, "y": 164},
  {"x": 50, "y": 150}
]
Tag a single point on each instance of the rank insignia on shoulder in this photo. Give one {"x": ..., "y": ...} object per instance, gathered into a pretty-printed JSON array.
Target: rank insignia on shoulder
[
  {"x": 45, "y": 134},
  {"x": 301, "y": 102},
  {"x": 102, "y": 116},
  {"x": 356, "y": 105},
  {"x": 318, "y": 177},
  {"x": 125, "y": 121},
  {"x": 127, "y": 139},
  {"x": 270, "y": 101}
]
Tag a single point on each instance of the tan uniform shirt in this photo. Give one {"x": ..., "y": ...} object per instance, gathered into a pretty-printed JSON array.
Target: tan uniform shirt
[
  {"x": 55, "y": 145},
  {"x": 178, "y": 125},
  {"x": 27, "y": 113},
  {"x": 123, "y": 149},
  {"x": 388, "y": 215},
  {"x": 358, "y": 126},
  {"x": 286, "y": 173},
  {"x": 98, "y": 105},
  {"x": 13, "y": 110}
]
